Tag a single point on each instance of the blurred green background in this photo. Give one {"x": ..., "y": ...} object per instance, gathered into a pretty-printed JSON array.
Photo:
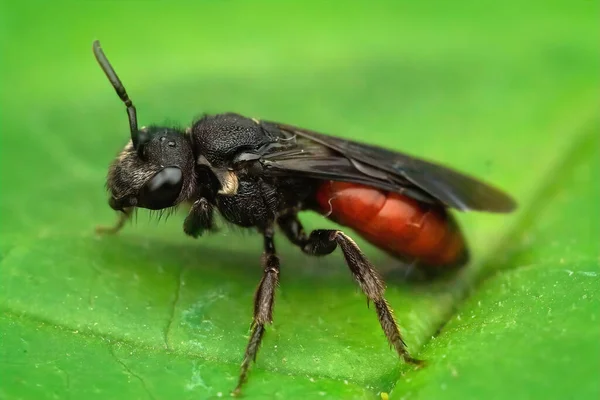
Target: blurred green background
[{"x": 507, "y": 91}]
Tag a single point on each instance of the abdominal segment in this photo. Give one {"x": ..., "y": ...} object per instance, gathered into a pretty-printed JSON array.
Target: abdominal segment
[{"x": 398, "y": 224}]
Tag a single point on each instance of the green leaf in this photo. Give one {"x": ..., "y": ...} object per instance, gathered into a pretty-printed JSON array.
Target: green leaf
[
  {"x": 530, "y": 328},
  {"x": 504, "y": 92}
]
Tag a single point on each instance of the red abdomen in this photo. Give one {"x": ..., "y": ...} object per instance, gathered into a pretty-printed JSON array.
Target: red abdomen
[{"x": 398, "y": 224}]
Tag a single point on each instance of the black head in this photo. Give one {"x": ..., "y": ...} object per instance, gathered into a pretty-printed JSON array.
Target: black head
[{"x": 155, "y": 170}]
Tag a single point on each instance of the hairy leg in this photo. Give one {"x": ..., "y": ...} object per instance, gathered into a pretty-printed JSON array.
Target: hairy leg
[
  {"x": 322, "y": 242},
  {"x": 199, "y": 219},
  {"x": 263, "y": 305}
]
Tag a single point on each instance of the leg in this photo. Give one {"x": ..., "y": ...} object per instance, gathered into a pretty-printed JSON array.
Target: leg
[
  {"x": 199, "y": 219},
  {"x": 322, "y": 242},
  {"x": 111, "y": 230},
  {"x": 263, "y": 305}
]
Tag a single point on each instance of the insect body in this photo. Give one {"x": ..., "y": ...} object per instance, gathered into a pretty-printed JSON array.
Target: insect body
[
  {"x": 401, "y": 225},
  {"x": 260, "y": 174}
]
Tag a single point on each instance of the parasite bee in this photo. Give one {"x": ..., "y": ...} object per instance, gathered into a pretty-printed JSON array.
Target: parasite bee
[{"x": 261, "y": 174}]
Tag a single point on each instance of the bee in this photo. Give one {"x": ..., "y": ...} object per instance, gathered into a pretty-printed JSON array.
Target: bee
[{"x": 261, "y": 174}]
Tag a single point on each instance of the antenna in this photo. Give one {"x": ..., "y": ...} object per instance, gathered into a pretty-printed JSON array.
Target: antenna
[{"x": 116, "y": 82}]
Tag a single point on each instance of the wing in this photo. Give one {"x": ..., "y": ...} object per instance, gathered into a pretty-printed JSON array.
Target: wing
[{"x": 302, "y": 152}]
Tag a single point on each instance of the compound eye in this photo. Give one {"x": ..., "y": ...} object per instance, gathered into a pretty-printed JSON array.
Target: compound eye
[{"x": 162, "y": 190}]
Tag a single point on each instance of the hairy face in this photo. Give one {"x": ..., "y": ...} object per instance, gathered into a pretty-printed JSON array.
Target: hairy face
[{"x": 158, "y": 174}]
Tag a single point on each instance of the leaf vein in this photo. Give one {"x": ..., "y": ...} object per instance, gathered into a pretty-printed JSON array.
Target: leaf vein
[
  {"x": 130, "y": 372},
  {"x": 169, "y": 324}
]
